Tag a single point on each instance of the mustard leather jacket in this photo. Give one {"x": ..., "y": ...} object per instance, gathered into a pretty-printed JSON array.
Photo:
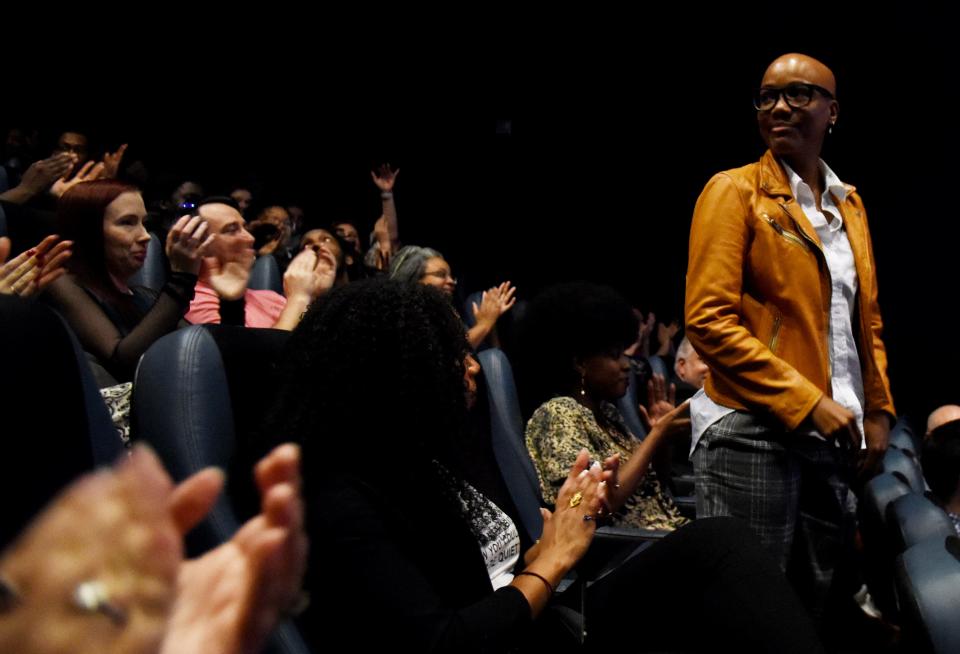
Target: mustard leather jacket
[{"x": 758, "y": 297}]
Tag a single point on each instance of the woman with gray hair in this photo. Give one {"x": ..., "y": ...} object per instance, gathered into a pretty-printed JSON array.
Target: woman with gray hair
[{"x": 418, "y": 265}]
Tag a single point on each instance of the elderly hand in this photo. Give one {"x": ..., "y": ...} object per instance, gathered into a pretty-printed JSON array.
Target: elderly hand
[
  {"x": 113, "y": 529},
  {"x": 122, "y": 530},
  {"x": 494, "y": 302}
]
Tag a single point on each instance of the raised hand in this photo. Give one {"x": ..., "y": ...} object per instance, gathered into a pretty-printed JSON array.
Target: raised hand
[
  {"x": 506, "y": 297},
  {"x": 660, "y": 399},
  {"x": 87, "y": 173},
  {"x": 111, "y": 162},
  {"x": 384, "y": 178}
]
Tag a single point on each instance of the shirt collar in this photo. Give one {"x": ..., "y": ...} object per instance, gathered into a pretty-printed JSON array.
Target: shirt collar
[{"x": 832, "y": 186}]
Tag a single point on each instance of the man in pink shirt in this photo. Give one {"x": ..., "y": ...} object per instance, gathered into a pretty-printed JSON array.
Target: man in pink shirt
[{"x": 222, "y": 295}]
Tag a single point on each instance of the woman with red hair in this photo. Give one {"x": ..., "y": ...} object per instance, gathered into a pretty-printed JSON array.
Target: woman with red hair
[{"x": 115, "y": 322}]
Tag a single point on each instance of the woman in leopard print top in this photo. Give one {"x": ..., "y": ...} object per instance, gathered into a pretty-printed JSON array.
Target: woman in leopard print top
[{"x": 585, "y": 370}]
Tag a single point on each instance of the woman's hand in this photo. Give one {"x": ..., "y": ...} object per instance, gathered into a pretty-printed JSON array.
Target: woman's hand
[
  {"x": 112, "y": 530},
  {"x": 660, "y": 400},
  {"x": 494, "y": 302},
  {"x": 310, "y": 274},
  {"x": 118, "y": 535},
  {"x": 568, "y": 530},
  {"x": 833, "y": 420},
  {"x": 186, "y": 244},
  {"x": 674, "y": 421},
  {"x": 32, "y": 271}
]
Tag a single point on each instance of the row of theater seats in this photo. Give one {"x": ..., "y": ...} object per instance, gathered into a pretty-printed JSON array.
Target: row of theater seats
[
  {"x": 912, "y": 553},
  {"x": 198, "y": 396}
]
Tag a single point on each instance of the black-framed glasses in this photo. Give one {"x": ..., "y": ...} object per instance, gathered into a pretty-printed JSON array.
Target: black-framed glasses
[{"x": 796, "y": 95}]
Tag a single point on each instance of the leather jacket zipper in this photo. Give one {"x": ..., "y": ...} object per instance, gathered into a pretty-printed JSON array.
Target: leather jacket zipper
[
  {"x": 829, "y": 285},
  {"x": 775, "y": 337},
  {"x": 778, "y": 228}
]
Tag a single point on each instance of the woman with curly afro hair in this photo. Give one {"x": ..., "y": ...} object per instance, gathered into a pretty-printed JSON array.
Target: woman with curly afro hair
[
  {"x": 583, "y": 370},
  {"x": 406, "y": 554}
]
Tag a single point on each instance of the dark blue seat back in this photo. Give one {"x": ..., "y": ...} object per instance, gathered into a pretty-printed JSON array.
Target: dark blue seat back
[
  {"x": 627, "y": 406},
  {"x": 896, "y": 460},
  {"x": 928, "y": 585},
  {"x": 507, "y": 435},
  {"x": 659, "y": 367},
  {"x": 469, "y": 318},
  {"x": 265, "y": 275},
  {"x": 153, "y": 274},
  {"x": 182, "y": 408},
  {"x": 913, "y": 519},
  {"x": 878, "y": 493}
]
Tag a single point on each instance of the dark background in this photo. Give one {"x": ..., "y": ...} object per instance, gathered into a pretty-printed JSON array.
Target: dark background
[{"x": 538, "y": 152}]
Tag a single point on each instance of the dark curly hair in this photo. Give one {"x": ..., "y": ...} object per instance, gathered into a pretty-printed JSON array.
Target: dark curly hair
[
  {"x": 374, "y": 375},
  {"x": 566, "y": 322}
]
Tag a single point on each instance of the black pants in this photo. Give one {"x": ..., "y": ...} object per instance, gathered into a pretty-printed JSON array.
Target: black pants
[{"x": 708, "y": 586}]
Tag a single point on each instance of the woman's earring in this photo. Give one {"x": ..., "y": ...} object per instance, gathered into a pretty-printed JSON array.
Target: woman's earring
[{"x": 583, "y": 389}]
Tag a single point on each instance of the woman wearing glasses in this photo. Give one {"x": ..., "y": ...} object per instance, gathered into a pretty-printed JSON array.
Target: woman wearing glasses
[
  {"x": 417, "y": 265},
  {"x": 781, "y": 303}
]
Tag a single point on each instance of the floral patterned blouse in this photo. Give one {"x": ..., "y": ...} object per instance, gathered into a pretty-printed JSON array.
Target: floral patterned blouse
[{"x": 561, "y": 427}]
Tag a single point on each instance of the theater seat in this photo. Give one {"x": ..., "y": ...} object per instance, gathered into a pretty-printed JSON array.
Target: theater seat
[
  {"x": 153, "y": 273},
  {"x": 913, "y": 519},
  {"x": 902, "y": 439},
  {"x": 265, "y": 275},
  {"x": 55, "y": 425},
  {"x": 507, "y": 435},
  {"x": 878, "y": 552},
  {"x": 659, "y": 367},
  {"x": 182, "y": 408},
  {"x": 928, "y": 584},
  {"x": 627, "y": 406},
  {"x": 897, "y": 460}
]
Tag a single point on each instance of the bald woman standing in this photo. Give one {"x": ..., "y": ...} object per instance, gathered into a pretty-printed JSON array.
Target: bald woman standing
[{"x": 781, "y": 303}]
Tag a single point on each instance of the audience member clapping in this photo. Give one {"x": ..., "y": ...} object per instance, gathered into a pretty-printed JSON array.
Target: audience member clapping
[
  {"x": 222, "y": 295},
  {"x": 115, "y": 322},
  {"x": 102, "y": 568}
]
